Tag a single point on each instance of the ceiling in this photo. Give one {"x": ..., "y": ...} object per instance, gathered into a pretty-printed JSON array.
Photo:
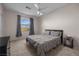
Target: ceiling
[{"x": 45, "y": 7}]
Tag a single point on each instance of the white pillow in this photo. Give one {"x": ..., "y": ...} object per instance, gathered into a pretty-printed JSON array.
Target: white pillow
[
  {"x": 46, "y": 33},
  {"x": 53, "y": 33}
]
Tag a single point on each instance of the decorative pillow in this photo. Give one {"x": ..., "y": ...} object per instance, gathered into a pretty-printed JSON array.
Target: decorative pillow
[
  {"x": 46, "y": 33},
  {"x": 53, "y": 33}
]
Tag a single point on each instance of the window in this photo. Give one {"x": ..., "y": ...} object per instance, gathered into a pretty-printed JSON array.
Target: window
[{"x": 25, "y": 24}]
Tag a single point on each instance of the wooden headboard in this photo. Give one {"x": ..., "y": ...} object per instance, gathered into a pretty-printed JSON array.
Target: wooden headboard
[{"x": 50, "y": 30}]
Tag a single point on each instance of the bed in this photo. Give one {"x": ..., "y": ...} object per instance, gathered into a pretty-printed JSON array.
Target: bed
[{"x": 45, "y": 42}]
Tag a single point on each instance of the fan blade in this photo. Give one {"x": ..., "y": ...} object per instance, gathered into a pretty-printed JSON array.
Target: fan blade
[
  {"x": 28, "y": 7},
  {"x": 36, "y": 5}
]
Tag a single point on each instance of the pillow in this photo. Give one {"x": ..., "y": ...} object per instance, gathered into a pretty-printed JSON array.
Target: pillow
[
  {"x": 46, "y": 33},
  {"x": 53, "y": 33}
]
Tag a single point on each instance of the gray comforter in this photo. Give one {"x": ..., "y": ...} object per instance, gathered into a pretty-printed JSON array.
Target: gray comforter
[{"x": 43, "y": 43}]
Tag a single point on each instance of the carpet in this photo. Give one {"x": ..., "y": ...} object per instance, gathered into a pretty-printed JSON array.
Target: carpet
[{"x": 20, "y": 48}]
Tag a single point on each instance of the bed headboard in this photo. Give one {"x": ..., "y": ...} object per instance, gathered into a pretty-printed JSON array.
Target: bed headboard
[{"x": 50, "y": 30}]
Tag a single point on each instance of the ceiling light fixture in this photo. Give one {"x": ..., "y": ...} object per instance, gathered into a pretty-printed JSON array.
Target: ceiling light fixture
[{"x": 38, "y": 12}]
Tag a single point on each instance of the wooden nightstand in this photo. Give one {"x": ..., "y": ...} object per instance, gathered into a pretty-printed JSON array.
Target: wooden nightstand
[{"x": 68, "y": 41}]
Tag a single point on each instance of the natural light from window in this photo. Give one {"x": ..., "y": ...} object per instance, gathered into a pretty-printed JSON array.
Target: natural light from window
[{"x": 25, "y": 24}]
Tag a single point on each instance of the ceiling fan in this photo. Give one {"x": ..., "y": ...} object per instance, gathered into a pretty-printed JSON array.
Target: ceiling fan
[{"x": 39, "y": 13}]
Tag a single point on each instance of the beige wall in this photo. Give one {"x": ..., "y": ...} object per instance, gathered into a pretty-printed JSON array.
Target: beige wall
[
  {"x": 66, "y": 18},
  {"x": 2, "y": 22}
]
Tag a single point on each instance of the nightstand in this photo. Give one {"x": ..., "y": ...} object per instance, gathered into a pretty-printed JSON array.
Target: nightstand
[{"x": 68, "y": 41}]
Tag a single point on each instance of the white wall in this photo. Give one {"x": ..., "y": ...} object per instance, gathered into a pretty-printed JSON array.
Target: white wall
[
  {"x": 11, "y": 24},
  {"x": 66, "y": 18}
]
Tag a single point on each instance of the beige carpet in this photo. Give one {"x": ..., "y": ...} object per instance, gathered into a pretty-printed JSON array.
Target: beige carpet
[{"x": 20, "y": 48}]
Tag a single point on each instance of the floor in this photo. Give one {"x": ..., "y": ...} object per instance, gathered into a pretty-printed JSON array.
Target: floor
[{"x": 20, "y": 48}]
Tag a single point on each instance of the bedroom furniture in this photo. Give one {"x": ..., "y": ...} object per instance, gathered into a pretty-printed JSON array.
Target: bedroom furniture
[
  {"x": 44, "y": 43},
  {"x": 68, "y": 41},
  {"x": 61, "y": 31},
  {"x": 4, "y": 41}
]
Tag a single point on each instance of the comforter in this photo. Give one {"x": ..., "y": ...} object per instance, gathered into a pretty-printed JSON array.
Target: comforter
[{"x": 43, "y": 43}]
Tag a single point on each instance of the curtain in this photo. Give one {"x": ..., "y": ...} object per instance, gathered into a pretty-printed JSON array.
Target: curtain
[
  {"x": 18, "y": 31},
  {"x": 31, "y": 31}
]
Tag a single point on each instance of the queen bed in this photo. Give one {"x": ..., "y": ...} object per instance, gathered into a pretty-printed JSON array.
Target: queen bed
[{"x": 45, "y": 42}]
